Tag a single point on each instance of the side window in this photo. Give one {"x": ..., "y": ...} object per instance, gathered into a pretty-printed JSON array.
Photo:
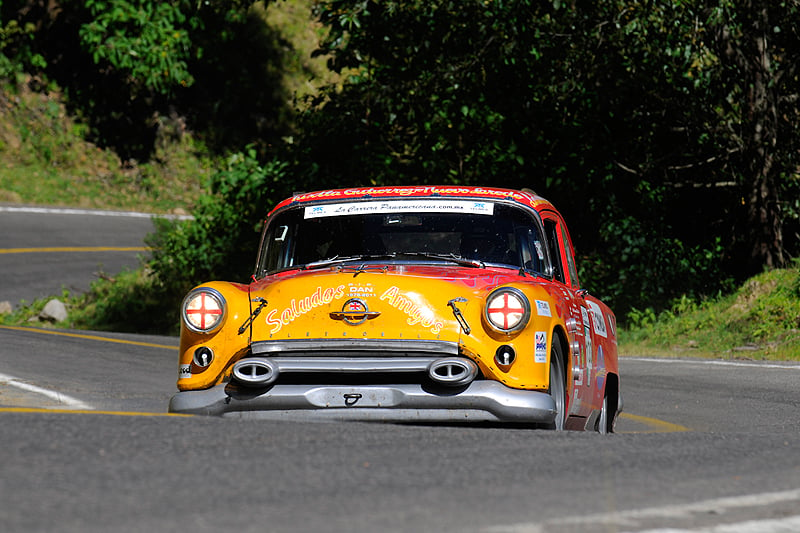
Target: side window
[
  {"x": 551, "y": 229},
  {"x": 560, "y": 248},
  {"x": 573, "y": 270}
]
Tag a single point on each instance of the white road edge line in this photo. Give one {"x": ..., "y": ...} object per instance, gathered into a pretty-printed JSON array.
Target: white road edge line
[
  {"x": 711, "y": 362},
  {"x": 98, "y": 212},
  {"x": 630, "y": 518},
  {"x": 66, "y": 401},
  {"x": 790, "y": 524}
]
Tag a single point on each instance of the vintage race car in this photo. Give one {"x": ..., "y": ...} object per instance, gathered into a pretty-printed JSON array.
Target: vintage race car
[{"x": 454, "y": 304}]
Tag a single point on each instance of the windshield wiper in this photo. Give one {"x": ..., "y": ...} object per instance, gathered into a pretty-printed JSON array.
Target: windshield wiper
[
  {"x": 336, "y": 259},
  {"x": 463, "y": 261},
  {"x": 331, "y": 261}
]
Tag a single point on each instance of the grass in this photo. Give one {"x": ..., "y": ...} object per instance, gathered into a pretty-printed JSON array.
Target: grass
[
  {"x": 760, "y": 321},
  {"x": 46, "y": 161}
]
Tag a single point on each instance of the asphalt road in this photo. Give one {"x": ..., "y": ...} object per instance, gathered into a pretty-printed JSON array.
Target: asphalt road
[
  {"x": 44, "y": 251},
  {"x": 86, "y": 445}
]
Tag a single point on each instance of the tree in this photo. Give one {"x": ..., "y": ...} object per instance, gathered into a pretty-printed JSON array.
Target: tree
[
  {"x": 758, "y": 45},
  {"x": 730, "y": 89},
  {"x": 129, "y": 67},
  {"x": 148, "y": 41},
  {"x": 670, "y": 120}
]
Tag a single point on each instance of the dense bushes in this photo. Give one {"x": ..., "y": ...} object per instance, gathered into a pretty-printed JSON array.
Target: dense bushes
[{"x": 221, "y": 241}]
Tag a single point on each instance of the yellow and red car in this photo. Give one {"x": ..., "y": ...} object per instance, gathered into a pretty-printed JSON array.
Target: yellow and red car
[{"x": 406, "y": 303}]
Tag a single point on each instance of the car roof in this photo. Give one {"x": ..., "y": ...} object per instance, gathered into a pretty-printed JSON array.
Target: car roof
[{"x": 524, "y": 197}]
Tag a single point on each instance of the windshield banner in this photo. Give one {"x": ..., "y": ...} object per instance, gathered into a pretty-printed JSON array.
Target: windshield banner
[{"x": 400, "y": 206}]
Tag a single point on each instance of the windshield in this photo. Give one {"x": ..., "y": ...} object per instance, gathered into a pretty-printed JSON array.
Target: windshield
[{"x": 468, "y": 233}]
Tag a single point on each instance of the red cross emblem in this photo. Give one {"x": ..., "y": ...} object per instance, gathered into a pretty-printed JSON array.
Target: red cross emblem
[
  {"x": 356, "y": 305},
  {"x": 203, "y": 311},
  {"x": 506, "y": 309}
]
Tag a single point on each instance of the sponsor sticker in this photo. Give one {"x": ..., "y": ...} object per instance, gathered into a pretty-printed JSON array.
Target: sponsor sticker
[
  {"x": 540, "y": 353},
  {"x": 587, "y": 335},
  {"x": 539, "y": 250},
  {"x": 185, "y": 371},
  {"x": 399, "y": 206},
  {"x": 598, "y": 320},
  {"x": 601, "y": 376},
  {"x": 543, "y": 308}
]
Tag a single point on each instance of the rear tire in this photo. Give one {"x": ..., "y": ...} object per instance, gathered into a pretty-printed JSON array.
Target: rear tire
[
  {"x": 602, "y": 420},
  {"x": 558, "y": 390}
]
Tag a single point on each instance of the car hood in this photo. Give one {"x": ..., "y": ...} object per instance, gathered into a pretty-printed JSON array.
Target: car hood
[{"x": 379, "y": 302}]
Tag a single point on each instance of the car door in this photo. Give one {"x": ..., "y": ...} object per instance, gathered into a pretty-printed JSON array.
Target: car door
[{"x": 583, "y": 336}]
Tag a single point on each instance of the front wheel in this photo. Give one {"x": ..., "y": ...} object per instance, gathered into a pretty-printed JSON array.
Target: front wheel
[{"x": 558, "y": 390}]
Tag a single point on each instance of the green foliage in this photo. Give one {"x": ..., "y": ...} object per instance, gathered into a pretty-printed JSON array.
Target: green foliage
[
  {"x": 148, "y": 40},
  {"x": 16, "y": 52},
  {"x": 644, "y": 268},
  {"x": 127, "y": 65},
  {"x": 222, "y": 239},
  {"x": 760, "y": 320},
  {"x": 220, "y": 242},
  {"x": 425, "y": 102},
  {"x": 240, "y": 97},
  {"x": 131, "y": 301},
  {"x": 640, "y": 109}
]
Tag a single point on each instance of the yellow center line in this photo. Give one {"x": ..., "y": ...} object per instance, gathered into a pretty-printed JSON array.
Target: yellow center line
[
  {"x": 659, "y": 426},
  {"x": 89, "y": 337},
  {"x": 83, "y": 412},
  {"x": 76, "y": 249}
]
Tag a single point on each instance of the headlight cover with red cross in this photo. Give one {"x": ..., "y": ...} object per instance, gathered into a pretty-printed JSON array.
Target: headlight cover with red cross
[
  {"x": 203, "y": 310},
  {"x": 507, "y": 310}
]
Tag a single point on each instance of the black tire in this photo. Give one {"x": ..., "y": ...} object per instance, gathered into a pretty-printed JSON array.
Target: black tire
[
  {"x": 602, "y": 426},
  {"x": 609, "y": 412},
  {"x": 558, "y": 389}
]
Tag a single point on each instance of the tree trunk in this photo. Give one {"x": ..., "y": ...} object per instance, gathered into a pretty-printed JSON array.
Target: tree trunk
[
  {"x": 760, "y": 140},
  {"x": 765, "y": 224}
]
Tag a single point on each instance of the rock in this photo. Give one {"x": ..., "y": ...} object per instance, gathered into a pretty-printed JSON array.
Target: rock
[
  {"x": 746, "y": 348},
  {"x": 55, "y": 311},
  {"x": 6, "y": 308}
]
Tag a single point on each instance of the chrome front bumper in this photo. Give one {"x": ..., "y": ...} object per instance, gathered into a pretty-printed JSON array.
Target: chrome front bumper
[{"x": 480, "y": 401}]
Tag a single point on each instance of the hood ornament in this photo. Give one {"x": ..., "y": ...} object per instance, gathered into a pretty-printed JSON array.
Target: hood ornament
[{"x": 354, "y": 312}]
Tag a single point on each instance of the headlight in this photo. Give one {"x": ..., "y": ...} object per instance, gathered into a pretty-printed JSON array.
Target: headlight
[
  {"x": 507, "y": 310},
  {"x": 203, "y": 310}
]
